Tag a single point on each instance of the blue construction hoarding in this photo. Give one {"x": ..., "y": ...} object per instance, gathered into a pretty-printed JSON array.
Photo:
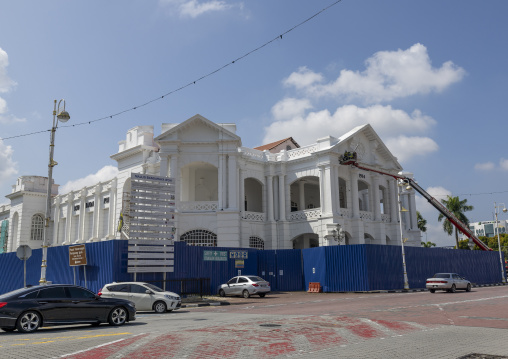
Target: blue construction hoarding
[{"x": 336, "y": 268}]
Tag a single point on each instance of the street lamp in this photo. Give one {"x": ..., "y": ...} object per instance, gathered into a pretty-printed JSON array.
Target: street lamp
[
  {"x": 496, "y": 211},
  {"x": 62, "y": 116},
  {"x": 338, "y": 234},
  {"x": 402, "y": 240}
]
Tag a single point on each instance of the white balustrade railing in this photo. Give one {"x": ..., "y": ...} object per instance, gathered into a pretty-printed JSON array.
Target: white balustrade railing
[
  {"x": 254, "y": 216},
  {"x": 344, "y": 212},
  {"x": 255, "y": 154},
  {"x": 301, "y": 152},
  {"x": 385, "y": 218},
  {"x": 305, "y": 214},
  {"x": 198, "y": 206},
  {"x": 366, "y": 215}
]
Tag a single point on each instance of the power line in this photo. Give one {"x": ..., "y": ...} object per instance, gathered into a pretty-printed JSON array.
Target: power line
[{"x": 279, "y": 37}]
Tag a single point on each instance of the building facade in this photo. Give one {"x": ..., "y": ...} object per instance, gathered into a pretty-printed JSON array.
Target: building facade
[{"x": 275, "y": 197}]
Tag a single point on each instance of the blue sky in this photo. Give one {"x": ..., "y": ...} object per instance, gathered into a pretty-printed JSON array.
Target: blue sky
[{"x": 431, "y": 77}]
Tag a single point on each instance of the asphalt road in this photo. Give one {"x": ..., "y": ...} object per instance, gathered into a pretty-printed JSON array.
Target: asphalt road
[{"x": 300, "y": 325}]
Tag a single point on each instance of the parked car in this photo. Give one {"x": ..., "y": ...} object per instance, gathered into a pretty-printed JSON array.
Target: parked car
[
  {"x": 146, "y": 296},
  {"x": 447, "y": 281},
  {"x": 28, "y": 309},
  {"x": 245, "y": 285}
]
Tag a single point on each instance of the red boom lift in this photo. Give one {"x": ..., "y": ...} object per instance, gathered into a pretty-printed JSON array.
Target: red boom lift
[{"x": 350, "y": 158}]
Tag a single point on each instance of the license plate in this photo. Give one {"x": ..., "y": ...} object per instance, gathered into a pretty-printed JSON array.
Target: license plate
[{"x": 435, "y": 286}]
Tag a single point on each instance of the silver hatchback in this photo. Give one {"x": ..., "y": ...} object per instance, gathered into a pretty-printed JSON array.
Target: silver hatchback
[
  {"x": 449, "y": 282},
  {"x": 245, "y": 285}
]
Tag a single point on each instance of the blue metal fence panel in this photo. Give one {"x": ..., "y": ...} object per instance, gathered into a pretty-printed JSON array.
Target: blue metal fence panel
[
  {"x": 346, "y": 269},
  {"x": 385, "y": 269},
  {"x": 267, "y": 268},
  {"x": 337, "y": 268},
  {"x": 314, "y": 266},
  {"x": 289, "y": 272}
]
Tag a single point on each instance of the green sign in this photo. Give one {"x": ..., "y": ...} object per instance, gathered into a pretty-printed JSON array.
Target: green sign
[{"x": 215, "y": 256}]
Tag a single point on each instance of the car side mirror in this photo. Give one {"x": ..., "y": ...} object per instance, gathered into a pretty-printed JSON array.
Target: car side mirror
[{"x": 148, "y": 291}]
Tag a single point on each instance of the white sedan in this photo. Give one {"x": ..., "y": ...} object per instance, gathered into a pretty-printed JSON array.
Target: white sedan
[
  {"x": 245, "y": 285},
  {"x": 449, "y": 282}
]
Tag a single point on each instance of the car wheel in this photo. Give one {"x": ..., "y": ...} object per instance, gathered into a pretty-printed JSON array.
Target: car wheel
[
  {"x": 246, "y": 294},
  {"x": 8, "y": 329},
  {"x": 468, "y": 288},
  {"x": 28, "y": 322},
  {"x": 432, "y": 290},
  {"x": 453, "y": 289},
  {"x": 262, "y": 295},
  {"x": 160, "y": 307},
  {"x": 222, "y": 293},
  {"x": 118, "y": 316}
]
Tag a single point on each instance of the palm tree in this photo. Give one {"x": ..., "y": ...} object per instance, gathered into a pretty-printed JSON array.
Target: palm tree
[
  {"x": 457, "y": 208},
  {"x": 422, "y": 222}
]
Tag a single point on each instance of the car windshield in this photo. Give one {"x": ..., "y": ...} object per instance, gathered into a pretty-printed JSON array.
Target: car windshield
[
  {"x": 256, "y": 279},
  {"x": 153, "y": 287},
  {"x": 441, "y": 275}
]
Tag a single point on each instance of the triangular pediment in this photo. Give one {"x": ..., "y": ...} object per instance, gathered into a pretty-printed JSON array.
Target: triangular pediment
[
  {"x": 198, "y": 129},
  {"x": 369, "y": 147}
]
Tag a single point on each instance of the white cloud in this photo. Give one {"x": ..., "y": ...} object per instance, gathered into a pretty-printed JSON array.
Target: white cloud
[
  {"x": 6, "y": 85},
  {"x": 195, "y": 8},
  {"x": 290, "y": 108},
  {"x": 8, "y": 167},
  {"x": 104, "y": 174},
  {"x": 485, "y": 166},
  {"x": 391, "y": 124},
  {"x": 388, "y": 75},
  {"x": 503, "y": 163},
  {"x": 303, "y": 78},
  {"x": 405, "y": 148}
]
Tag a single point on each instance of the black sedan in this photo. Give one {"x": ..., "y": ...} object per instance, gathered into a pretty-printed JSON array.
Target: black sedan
[{"x": 28, "y": 309}]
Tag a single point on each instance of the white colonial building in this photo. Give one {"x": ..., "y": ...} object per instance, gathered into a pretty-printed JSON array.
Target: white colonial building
[{"x": 277, "y": 196}]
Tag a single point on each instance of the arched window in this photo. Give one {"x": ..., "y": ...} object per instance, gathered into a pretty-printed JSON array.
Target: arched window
[
  {"x": 256, "y": 242},
  {"x": 199, "y": 237},
  {"x": 37, "y": 232}
]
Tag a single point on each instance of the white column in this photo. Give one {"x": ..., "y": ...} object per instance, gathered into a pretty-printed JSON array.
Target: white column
[
  {"x": 269, "y": 180},
  {"x": 394, "y": 201},
  {"x": 111, "y": 233},
  {"x": 412, "y": 210},
  {"x": 56, "y": 220},
  {"x": 301, "y": 188},
  {"x": 334, "y": 190},
  {"x": 82, "y": 216},
  {"x": 322, "y": 188},
  {"x": 354, "y": 193},
  {"x": 220, "y": 184},
  {"x": 242, "y": 192},
  {"x": 375, "y": 197},
  {"x": 282, "y": 197},
  {"x": 68, "y": 227},
  {"x": 164, "y": 168},
  {"x": 232, "y": 183}
]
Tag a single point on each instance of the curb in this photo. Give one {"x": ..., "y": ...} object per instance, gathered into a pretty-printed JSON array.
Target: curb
[{"x": 213, "y": 304}]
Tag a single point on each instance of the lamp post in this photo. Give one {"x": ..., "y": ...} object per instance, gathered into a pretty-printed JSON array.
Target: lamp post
[
  {"x": 401, "y": 209},
  {"x": 496, "y": 211},
  {"x": 62, "y": 116},
  {"x": 338, "y": 234}
]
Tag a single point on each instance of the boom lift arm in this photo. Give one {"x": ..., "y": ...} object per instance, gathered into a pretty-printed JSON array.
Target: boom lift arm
[{"x": 350, "y": 158}]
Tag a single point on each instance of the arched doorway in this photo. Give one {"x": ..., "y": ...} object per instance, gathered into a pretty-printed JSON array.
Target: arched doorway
[{"x": 306, "y": 240}]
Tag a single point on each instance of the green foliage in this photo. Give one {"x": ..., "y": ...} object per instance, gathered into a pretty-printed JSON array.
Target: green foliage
[
  {"x": 422, "y": 222},
  {"x": 428, "y": 244},
  {"x": 457, "y": 207}
]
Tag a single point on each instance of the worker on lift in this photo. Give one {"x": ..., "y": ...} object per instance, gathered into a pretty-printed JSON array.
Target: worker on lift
[{"x": 348, "y": 156}]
